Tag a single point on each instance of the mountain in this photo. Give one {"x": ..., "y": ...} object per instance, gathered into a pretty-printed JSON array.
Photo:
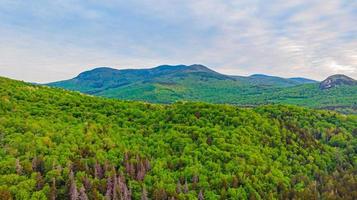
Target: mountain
[
  {"x": 58, "y": 144},
  {"x": 101, "y": 79},
  {"x": 336, "y": 81},
  {"x": 168, "y": 84},
  {"x": 262, "y": 79},
  {"x": 303, "y": 80}
]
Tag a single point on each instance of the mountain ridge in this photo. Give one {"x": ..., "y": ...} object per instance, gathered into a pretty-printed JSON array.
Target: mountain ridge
[
  {"x": 168, "y": 84},
  {"x": 195, "y": 68}
]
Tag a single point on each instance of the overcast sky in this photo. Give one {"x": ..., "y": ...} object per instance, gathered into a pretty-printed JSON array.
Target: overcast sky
[{"x": 43, "y": 41}]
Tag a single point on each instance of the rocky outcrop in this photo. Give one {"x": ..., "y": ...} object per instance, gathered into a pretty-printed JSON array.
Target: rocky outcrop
[{"x": 337, "y": 80}]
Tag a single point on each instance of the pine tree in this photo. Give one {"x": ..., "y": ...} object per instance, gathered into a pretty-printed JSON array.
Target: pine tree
[
  {"x": 82, "y": 194},
  {"x": 235, "y": 182},
  {"x": 116, "y": 190},
  {"x": 141, "y": 171},
  {"x": 87, "y": 184},
  {"x": 185, "y": 188},
  {"x": 53, "y": 192},
  {"x": 195, "y": 180},
  {"x": 73, "y": 192},
  {"x": 125, "y": 192},
  {"x": 109, "y": 192},
  {"x": 178, "y": 187},
  {"x": 144, "y": 194},
  {"x": 147, "y": 164},
  {"x": 18, "y": 167},
  {"x": 40, "y": 182},
  {"x": 200, "y": 195},
  {"x": 98, "y": 171}
]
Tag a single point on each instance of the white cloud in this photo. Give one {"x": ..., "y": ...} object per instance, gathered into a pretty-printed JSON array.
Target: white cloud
[
  {"x": 338, "y": 68},
  {"x": 309, "y": 38}
]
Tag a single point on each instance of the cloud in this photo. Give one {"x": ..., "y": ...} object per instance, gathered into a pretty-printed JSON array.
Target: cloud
[
  {"x": 53, "y": 40},
  {"x": 338, "y": 68}
]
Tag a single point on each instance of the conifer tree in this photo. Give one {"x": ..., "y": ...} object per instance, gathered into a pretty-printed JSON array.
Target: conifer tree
[
  {"x": 82, "y": 194},
  {"x": 73, "y": 192}
]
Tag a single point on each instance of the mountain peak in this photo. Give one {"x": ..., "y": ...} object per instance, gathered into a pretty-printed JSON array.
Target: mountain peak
[
  {"x": 194, "y": 67},
  {"x": 259, "y": 75},
  {"x": 100, "y": 70},
  {"x": 98, "y": 73},
  {"x": 200, "y": 67},
  {"x": 337, "y": 80}
]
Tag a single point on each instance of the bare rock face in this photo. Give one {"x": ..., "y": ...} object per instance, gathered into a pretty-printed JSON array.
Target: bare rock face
[{"x": 337, "y": 80}]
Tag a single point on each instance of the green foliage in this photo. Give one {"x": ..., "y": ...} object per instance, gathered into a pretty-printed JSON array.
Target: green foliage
[{"x": 60, "y": 144}]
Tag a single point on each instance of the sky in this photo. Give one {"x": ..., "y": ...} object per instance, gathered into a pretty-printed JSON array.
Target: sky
[{"x": 44, "y": 41}]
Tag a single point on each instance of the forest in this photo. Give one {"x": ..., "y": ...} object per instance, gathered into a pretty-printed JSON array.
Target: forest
[{"x": 57, "y": 144}]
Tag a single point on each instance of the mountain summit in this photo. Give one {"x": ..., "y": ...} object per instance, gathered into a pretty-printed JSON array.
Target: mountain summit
[{"x": 337, "y": 80}]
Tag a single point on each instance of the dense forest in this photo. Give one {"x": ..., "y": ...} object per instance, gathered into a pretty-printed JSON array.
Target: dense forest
[{"x": 57, "y": 144}]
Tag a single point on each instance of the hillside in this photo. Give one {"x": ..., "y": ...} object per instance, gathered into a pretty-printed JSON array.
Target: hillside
[
  {"x": 57, "y": 144},
  {"x": 168, "y": 84},
  {"x": 342, "y": 99}
]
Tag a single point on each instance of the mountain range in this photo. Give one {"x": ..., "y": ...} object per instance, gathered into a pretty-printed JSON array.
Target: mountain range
[{"x": 168, "y": 84}]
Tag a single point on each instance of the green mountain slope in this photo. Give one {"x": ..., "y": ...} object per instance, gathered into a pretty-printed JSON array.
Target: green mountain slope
[
  {"x": 66, "y": 145},
  {"x": 342, "y": 99},
  {"x": 168, "y": 84}
]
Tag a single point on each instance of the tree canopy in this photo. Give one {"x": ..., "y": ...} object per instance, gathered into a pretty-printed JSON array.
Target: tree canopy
[{"x": 57, "y": 144}]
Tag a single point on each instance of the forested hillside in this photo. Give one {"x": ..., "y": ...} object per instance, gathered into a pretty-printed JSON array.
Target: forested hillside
[
  {"x": 56, "y": 144},
  {"x": 169, "y": 84}
]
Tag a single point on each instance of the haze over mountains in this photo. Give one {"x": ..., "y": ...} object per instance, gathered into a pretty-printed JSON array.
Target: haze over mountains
[{"x": 167, "y": 84}]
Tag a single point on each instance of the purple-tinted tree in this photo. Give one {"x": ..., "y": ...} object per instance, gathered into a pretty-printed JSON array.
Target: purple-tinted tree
[
  {"x": 109, "y": 192},
  {"x": 178, "y": 187},
  {"x": 82, "y": 194},
  {"x": 73, "y": 192},
  {"x": 98, "y": 171},
  {"x": 200, "y": 195},
  {"x": 144, "y": 194}
]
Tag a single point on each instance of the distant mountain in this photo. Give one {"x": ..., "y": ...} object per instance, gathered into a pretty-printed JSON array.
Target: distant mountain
[
  {"x": 167, "y": 84},
  {"x": 303, "y": 80},
  {"x": 101, "y": 79},
  {"x": 337, "y": 80},
  {"x": 262, "y": 79}
]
